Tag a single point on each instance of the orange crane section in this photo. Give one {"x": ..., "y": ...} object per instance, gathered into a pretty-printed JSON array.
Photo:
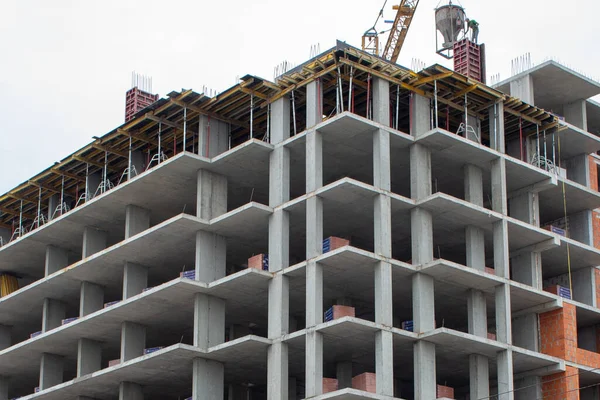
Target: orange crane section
[{"x": 404, "y": 16}]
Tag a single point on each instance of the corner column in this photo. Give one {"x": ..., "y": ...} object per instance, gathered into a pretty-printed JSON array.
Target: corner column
[
  {"x": 208, "y": 380},
  {"x": 94, "y": 240},
  {"x": 137, "y": 219},
  {"x": 91, "y": 298},
  {"x": 89, "y": 357},
  {"x": 56, "y": 259},
  {"x": 314, "y": 103},
  {"x": 53, "y": 314},
  {"x": 51, "y": 371},
  {"x": 133, "y": 340}
]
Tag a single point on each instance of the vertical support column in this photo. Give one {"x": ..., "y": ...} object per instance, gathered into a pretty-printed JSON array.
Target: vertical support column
[
  {"x": 3, "y": 388},
  {"x": 526, "y": 332},
  {"x": 496, "y": 113},
  {"x": 211, "y": 195},
  {"x": 89, "y": 357},
  {"x": 530, "y": 388},
  {"x": 479, "y": 376},
  {"x": 137, "y": 219},
  {"x": 381, "y": 101},
  {"x": 91, "y": 298},
  {"x": 576, "y": 114},
  {"x": 211, "y": 255},
  {"x": 135, "y": 279},
  {"x": 56, "y": 259},
  {"x": 53, "y": 314},
  {"x": 51, "y": 370},
  {"x": 522, "y": 88},
  {"x": 138, "y": 161},
  {"x": 477, "y": 313},
  {"x": 344, "y": 374},
  {"x": 420, "y": 115},
  {"x": 208, "y": 380},
  {"x": 133, "y": 340},
  {"x": 526, "y": 207},
  {"x": 505, "y": 375},
  {"x": 584, "y": 286},
  {"x": 425, "y": 370},
  {"x": 5, "y": 339},
  {"x": 130, "y": 391},
  {"x": 314, "y": 103},
  {"x": 420, "y": 171},
  {"x": 527, "y": 269},
  {"x": 53, "y": 202},
  {"x": 94, "y": 240},
  {"x": 209, "y": 321}
]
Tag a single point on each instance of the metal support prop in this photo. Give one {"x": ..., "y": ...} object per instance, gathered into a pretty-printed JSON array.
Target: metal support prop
[
  {"x": 268, "y": 133},
  {"x": 62, "y": 195},
  {"x": 39, "y": 207},
  {"x": 554, "y": 151},
  {"x": 397, "y": 105},
  {"x": 538, "y": 145},
  {"x": 521, "y": 137},
  {"x": 350, "y": 89},
  {"x": 466, "y": 113},
  {"x": 105, "y": 171},
  {"x": 369, "y": 96},
  {"x": 159, "y": 148},
  {"x": 545, "y": 150},
  {"x": 341, "y": 90},
  {"x": 293, "y": 112},
  {"x": 251, "y": 116},
  {"x": 184, "y": 127},
  {"x": 21, "y": 219},
  {"x": 496, "y": 125},
  {"x": 130, "y": 160},
  {"x": 87, "y": 181},
  {"x": 435, "y": 95}
]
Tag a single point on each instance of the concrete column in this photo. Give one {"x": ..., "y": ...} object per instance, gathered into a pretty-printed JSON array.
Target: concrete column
[
  {"x": 208, "y": 380},
  {"x": 5, "y": 339},
  {"x": 211, "y": 255},
  {"x": 133, "y": 340},
  {"x": 473, "y": 123},
  {"x": 473, "y": 184},
  {"x": 135, "y": 279},
  {"x": 525, "y": 331},
  {"x": 479, "y": 376},
  {"x": 578, "y": 169},
  {"x": 4, "y": 388},
  {"x": 344, "y": 374},
  {"x": 314, "y": 294},
  {"x": 314, "y": 103},
  {"x": 381, "y": 101},
  {"x": 526, "y": 207},
  {"x": 531, "y": 388},
  {"x": 138, "y": 161},
  {"x": 384, "y": 362},
  {"x": 53, "y": 314},
  {"x": 420, "y": 171},
  {"x": 51, "y": 370},
  {"x": 421, "y": 226},
  {"x": 130, "y": 391},
  {"x": 499, "y": 195},
  {"x": 420, "y": 115},
  {"x": 575, "y": 113},
  {"x": 314, "y": 363},
  {"x": 383, "y": 294},
  {"x": 501, "y": 252},
  {"x": 505, "y": 375},
  {"x": 238, "y": 392},
  {"x": 56, "y": 259},
  {"x": 523, "y": 89},
  {"x": 279, "y": 176},
  {"x": 93, "y": 182},
  {"x": 314, "y": 161},
  {"x": 425, "y": 370},
  {"x": 423, "y": 303},
  {"x": 584, "y": 286},
  {"x": 475, "y": 243},
  {"x": 137, "y": 219},
  {"x": 280, "y": 120},
  {"x": 383, "y": 225},
  {"x": 277, "y": 371},
  {"x": 497, "y": 140},
  {"x": 213, "y": 136},
  {"x": 91, "y": 298},
  {"x": 53, "y": 202},
  {"x": 279, "y": 312},
  {"x": 527, "y": 269},
  {"x": 89, "y": 357},
  {"x": 211, "y": 195},
  {"x": 209, "y": 321},
  {"x": 94, "y": 240},
  {"x": 381, "y": 159},
  {"x": 581, "y": 227},
  {"x": 314, "y": 227},
  {"x": 477, "y": 313},
  {"x": 587, "y": 338},
  {"x": 503, "y": 314}
]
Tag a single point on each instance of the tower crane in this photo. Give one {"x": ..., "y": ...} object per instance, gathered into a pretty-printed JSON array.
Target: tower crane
[{"x": 404, "y": 16}]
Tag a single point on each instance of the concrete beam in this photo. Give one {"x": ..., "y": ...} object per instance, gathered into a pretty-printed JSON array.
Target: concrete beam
[
  {"x": 51, "y": 370},
  {"x": 91, "y": 298},
  {"x": 211, "y": 195},
  {"x": 133, "y": 340},
  {"x": 56, "y": 259},
  {"x": 137, "y": 220},
  {"x": 135, "y": 279},
  {"x": 314, "y": 103},
  {"x": 208, "y": 380},
  {"x": 209, "y": 321},
  {"x": 130, "y": 391},
  {"x": 53, "y": 313},
  {"x": 211, "y": 254},
  {"x": 94, "y": 240},
  {"x": 89, "y": 356}
]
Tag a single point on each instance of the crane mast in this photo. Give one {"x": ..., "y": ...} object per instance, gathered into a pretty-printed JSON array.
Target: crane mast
[{"x": 404, "y": 16}]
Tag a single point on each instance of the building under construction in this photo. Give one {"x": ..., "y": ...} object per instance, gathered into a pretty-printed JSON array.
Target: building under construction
[{"x": 352, "y": 230}]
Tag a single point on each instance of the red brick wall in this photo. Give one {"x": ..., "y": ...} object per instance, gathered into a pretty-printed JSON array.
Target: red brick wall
[
  {"x": 593, "y": 173},
  {"x": 558, "y": 333},
  {"x": 597, "y": 276},
  {"x": 561, "y": 386},
  {"x": 596, "y": 228}
]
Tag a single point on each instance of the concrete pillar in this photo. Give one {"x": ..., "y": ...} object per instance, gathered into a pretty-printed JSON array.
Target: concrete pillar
[
  {"x": 56, "y": 259},
  {"x": 477, "y": 313},
  {"x": 279, "y": 176},
  {"x": 89, "y": 357},
  {"x": 280, "y": 120},
  {"x": 314, "y": 363},
  {"x": 344, "y": 374},
  {"x": 53, "y": 202},
  {"x": 135, "y": 279},
  {"x": 4, "y": 388},
  {"x": 208, "y": 380},
  {"x": 133, "y": 340},
  {"x": 423, "y": 303},
  {"x": 475, "y": 247},
  {"x": 381, "y": 101},
  {"x": 575, "y": 113},
  {"x": 94, "y": 240},
  {"x": 420, "y": 171},
  {"x": 526, "y": 207},
  {"x": 53, "y": 314},
  {"x": 384, "y": 362},
  {"x": 292, "y": 391},
  {"x": 211, "y": 255},
  {"x": 92, "y": 183},
  {"x": 51, "y": 370},
  {"x": 421, "y": 226},
  {"x": 138, "y": 161},
  {"x": 578, "y": 169},
  {"x": 584, "y": 286},
  {"x": 91, "y": 298},
  {"x": 5, "y": 234},
  {"x": 525, "y": 331},
  {"x": 527, "y": 269},
  {"x": 499, "y": 195},
  {"x": 314, "y": 103},
  {"x": 581, "y": 227},
  {"x": 473, "y": 184},
  {"x": 425, "y": 370},
  {"x": 381, "y": 160},
  {"x": 479, "y": 376},
  {"x": 130, "y": 391},
  {"x": 314, "y": 161},
  {"x": 314, "y": 294},
  {"x": 503, "y": 314},
  {"x": 530, "y": 388},
  {"x": 497, "y": 140},
  {"x": 277, "y": 371},
  {"x": 420, "y": 115},
  {"x": 238, "y": 392},
  {"x": 501, "y": 252},
  {"x": 314, "y": 227},
  {"x": 474, "y": 124},
  {"x": 211, "y": 195},
  {"x": 213, "y": 137},
  {"x": 137, "y": 219},
  {"x": 504, "y": 362},
  {"x": 5, "y": 339},
  {"x": 209, "y": 321},
  {"x": 522, "y": 88}
]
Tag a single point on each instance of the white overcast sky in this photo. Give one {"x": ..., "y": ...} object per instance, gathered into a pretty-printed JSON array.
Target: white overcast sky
[{"x": 65, "y": 64}]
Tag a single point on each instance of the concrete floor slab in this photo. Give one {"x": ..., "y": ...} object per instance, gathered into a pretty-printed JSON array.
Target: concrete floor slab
[
  {"x": 450, "y": 342},
  {"x": 527, "y": 363},
  {"x": 526, "y": 299},
  {"x": 351, "y": 394},
  {"x": 461, "y": 276},
  {"x": 578, "y": 198},
  {"x": 555, "y": 260},
  {"x": 520, "y": 174}
]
